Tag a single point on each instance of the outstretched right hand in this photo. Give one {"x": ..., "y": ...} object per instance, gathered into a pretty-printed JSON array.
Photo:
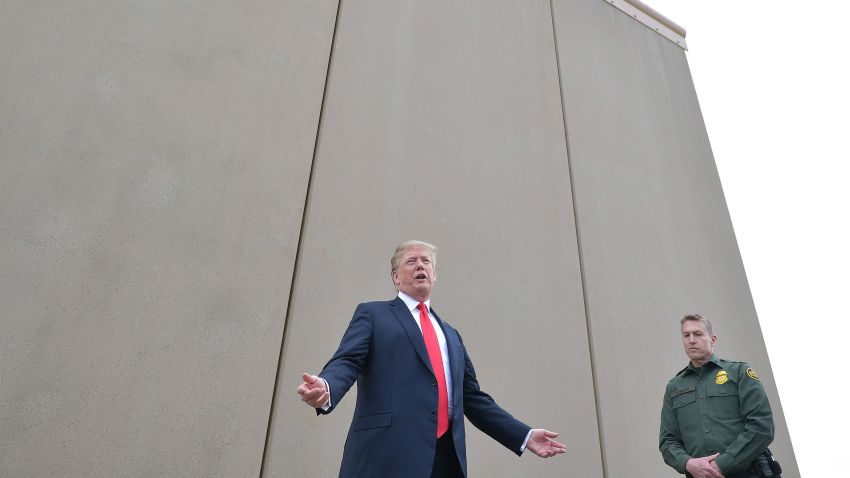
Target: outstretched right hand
[
  {"x": 313, "y": 391},
  {"x": 541, "y": 442}
]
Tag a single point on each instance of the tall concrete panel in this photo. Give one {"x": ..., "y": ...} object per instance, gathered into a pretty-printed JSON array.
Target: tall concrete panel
[
  {"x": 154, "y": 159},
  {"x": 655, "y": 235},
  {"x": 443, "y": 122},
  {"x": 160, "y": 294}
]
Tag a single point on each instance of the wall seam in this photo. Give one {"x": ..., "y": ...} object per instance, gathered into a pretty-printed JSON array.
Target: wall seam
[
  {"x": 580, "y": 250},
  {"x": 295, "y": 264}
]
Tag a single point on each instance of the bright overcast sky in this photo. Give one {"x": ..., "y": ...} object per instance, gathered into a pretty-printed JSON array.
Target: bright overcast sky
[{"x": 772, "y": 80}]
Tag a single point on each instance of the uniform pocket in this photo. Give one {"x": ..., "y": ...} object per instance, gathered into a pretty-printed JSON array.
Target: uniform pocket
[
  {"x": 683, "y": 399},
  {"x": 376, "y": 420},
  {"x": 726, "y": 390},
  {"x": 723, "y": 401}
]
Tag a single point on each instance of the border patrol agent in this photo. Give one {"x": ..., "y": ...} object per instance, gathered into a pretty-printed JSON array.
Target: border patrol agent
[{"x": 716, "y": 421}]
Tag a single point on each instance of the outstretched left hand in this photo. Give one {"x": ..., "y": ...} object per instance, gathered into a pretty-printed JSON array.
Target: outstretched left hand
[{"x": 541, "y": 443}]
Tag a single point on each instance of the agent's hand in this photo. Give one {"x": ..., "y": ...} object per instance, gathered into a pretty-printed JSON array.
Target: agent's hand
[
  {"x": 313, "y": 391},
  {"x": 541, "y": 443},
  {"x": 704, "y": 467}
]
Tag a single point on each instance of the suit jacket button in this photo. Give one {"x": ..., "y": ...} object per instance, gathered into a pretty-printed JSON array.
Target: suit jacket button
[
  {"x": 433, "y": 382},
  {"x": 433, "y": 413}
]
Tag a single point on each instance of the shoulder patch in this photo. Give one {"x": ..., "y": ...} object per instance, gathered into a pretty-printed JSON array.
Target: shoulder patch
[{"x": 752, "y": 374}]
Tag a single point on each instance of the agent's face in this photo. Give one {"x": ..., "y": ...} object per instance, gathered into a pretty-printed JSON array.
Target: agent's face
[
  {"x": 699, "y": 345},
  {"x": 415, "y": 275}
]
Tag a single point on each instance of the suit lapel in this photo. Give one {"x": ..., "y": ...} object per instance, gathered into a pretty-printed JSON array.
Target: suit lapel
[{"x": 413, "y": 333}]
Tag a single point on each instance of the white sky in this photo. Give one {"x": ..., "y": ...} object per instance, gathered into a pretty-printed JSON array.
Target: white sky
[{"x": 772, "y": 80}]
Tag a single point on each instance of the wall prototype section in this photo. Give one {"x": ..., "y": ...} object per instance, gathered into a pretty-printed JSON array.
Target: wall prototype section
[
  {"x": 416, "y": 143},
  {"x": 655, "y": 233},
  {"x": 154, "y": 168},
  {"x": 194, "y": 196}
]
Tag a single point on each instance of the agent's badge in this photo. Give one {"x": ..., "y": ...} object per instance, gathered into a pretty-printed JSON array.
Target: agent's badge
[
  {"x": 721, "y": 377},
  {"x": 752, "y": 374}
]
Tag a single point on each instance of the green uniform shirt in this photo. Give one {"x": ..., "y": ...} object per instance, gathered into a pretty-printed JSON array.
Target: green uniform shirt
[{"x": 719, "y": 407}]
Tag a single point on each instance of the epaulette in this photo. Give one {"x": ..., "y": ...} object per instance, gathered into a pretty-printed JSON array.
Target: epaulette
[{"x": 731, "y": 362}]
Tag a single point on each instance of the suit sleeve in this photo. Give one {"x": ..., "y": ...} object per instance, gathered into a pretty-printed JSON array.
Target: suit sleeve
[
  {"x": 344, "y": 367},
  {"x": 486, "y": 414},
  {"x": 758, "y": 425}
]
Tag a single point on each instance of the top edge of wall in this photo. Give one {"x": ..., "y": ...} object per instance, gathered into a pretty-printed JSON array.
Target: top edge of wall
[{"x": 652, "y": 19}]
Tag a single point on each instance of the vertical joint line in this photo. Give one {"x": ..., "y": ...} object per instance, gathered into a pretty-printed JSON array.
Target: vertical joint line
[
  {"x": 265, "y": 457},
  {"x": 580, "y": 251}
]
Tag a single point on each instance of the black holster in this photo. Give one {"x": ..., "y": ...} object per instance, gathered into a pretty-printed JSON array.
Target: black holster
[{"x": 765, "y": 465}]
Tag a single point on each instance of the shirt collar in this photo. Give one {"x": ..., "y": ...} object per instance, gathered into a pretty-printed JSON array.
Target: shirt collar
[
  {"x": 412, "y": 303},
  {"x": 714, "y": 358}
]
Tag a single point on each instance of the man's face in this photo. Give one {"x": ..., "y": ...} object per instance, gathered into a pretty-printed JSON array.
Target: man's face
[
  {"x": 697, "y": 341},
  {"x": 415, "y": 275}
]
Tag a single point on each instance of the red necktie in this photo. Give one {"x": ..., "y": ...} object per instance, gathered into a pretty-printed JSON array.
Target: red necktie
[{"x": 436, "y": 357}]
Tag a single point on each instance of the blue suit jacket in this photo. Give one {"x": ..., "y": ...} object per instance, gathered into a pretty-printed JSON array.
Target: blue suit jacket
[{"x": 393, "y": 432}]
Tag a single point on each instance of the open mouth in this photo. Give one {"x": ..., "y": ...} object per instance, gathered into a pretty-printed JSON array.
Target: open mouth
[{"x": 421, "y": 276}]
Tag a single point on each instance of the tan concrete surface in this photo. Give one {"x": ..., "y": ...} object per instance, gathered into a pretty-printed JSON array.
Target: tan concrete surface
[
  {"x": 154, "y": 167},
  {"x": 656, "y": 237},
  {"x": 154, "y": 162},
  {"x": 443, "y": 122}
]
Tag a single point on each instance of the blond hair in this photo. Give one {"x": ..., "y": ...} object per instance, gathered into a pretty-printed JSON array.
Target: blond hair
[
  {"x": 698, "y": 318},
  {"x": 404, "y": 246}
]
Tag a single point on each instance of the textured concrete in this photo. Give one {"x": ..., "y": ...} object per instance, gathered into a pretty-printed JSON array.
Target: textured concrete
[
  {"x": 443, "y": 122},
  {"x": 656, "y": 237},
  {"x": 154, "y": 167},
  {"x": 154, "y": 164}
]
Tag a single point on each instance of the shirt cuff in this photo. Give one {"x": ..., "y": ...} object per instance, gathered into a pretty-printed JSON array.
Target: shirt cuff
[
  {"x": 724, "y": 462},
  {"x": 327, "y": 404},
  {"x": 525, "y": 442},
  {"x": 683, "y": 463}
]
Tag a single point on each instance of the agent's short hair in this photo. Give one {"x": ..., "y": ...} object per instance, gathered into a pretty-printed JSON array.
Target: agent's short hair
[
  {"x": 404, "y": 246},
  {"x": 698, "y": 318}
]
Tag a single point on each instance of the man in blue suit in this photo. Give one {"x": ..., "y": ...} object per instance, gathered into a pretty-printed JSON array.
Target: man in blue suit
[{"x": 415, "y": 383}]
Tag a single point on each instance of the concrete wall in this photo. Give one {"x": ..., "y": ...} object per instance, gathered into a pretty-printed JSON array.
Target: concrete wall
[
  {"x": 155, "y": 158},
  {"x": 656, "y": 238},
  {"x": 195, "y": 195},
  {"x": 416, "y": 143}
]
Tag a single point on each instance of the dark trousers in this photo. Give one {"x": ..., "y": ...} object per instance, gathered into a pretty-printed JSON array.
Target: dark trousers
[{"x": 446, "y": 464}]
